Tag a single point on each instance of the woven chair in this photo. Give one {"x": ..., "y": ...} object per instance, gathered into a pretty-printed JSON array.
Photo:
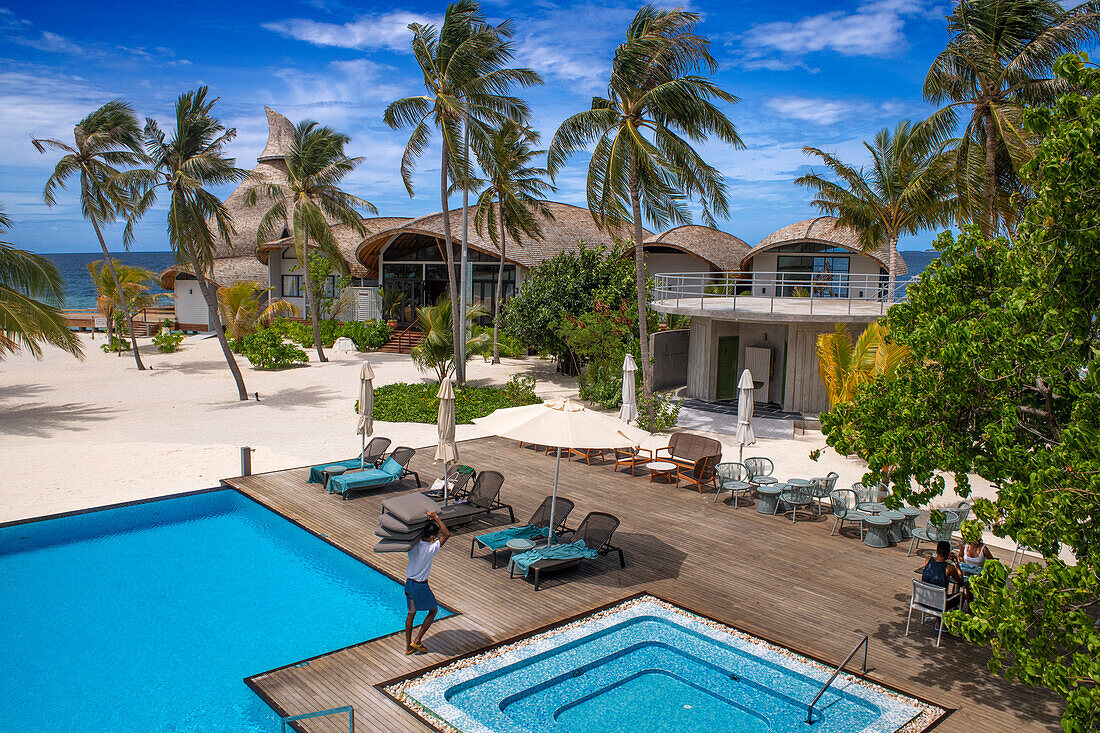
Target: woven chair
[
  {"x": 963, "y": 510},
  {"x": 822, "y": 487},
  {"x": 934, "y": 533},
  {"x": 796, "y": 497},
  {"x": 735, "y": 478},
  {"x": 632, "y": 457},
  {"x": 701, "y": 472},
  {"x": 845, "y": 506},
  {"x": 375, "y": 451},
  {"x": 874, "y": 493},
  {"x": 760, "y": 470},
  {"x": 587, "y": 454}
]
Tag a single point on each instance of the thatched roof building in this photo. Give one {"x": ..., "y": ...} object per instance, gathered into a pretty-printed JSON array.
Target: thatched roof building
[
  {"x": 822, "y": 230},
  {"x": 723, "y": 251}
]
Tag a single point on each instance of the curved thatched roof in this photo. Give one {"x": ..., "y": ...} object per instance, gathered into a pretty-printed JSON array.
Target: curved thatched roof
[
  {"x": 570, "y": 225},
  {"x": 280, "y": 137},
  {"x": 227, "y": 271},
  {"x": 824, "y": 230},
  {"x": 346, "y": 238},
  {"x": 723, "y": 251}
]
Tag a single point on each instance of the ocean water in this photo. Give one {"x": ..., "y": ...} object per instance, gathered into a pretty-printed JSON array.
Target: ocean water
[{"x": 80, "y": 293}]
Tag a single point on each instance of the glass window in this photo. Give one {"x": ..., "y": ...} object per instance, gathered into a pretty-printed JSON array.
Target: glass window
[
  {"x": 401, "y": 272},
  {"x": 292, "y": 286},
  {"x": 811, "y": 248},
  {"x": 827, "y": 276},
  {"x": 331, "y": 289}
]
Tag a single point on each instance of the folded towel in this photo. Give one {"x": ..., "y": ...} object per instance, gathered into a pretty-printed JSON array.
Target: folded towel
[
  {"x": 571, "y": 551},
  {"x": 315, "y": 476},
  {"x": 497, "y": 540}
]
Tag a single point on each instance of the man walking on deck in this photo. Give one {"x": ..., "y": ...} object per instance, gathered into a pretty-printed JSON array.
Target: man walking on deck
[{"x": 417, "y": 590}]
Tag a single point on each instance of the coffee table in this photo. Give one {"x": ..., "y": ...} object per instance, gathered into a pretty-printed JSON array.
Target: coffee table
[
  {"x": 329, "y": 471},
  {"x": 876, "y": 531},
  {"x": 769, "y": 498},
  {"x": 895, "y": 532},
  {"x": 910, "y": 522},
  {"x": 872, "y": 507},
  {"x": 665, "y": 469}
]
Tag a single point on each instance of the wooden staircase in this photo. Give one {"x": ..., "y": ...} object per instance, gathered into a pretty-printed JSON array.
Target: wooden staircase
[{"x": 403, "y": 342}]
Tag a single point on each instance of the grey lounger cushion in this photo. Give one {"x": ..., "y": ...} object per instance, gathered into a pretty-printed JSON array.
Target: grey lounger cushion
[
  {"x": 399, "y": 536},
  {"x": 460, "y": 510},
  {"x": 410, "y": 508},
  {"x": 394, "y": 545},
  {"x": 391, "y": 523}
]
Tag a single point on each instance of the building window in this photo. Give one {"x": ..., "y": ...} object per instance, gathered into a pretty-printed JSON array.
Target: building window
[
  {"x": 292, "y": 286},
  {"x": 826, "y": 276},
  {"x": 331, "y": 289}
]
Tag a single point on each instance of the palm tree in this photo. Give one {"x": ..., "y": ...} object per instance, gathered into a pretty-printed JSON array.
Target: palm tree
[
  {"x": 31, "y": 290},
  {"x": 437, "y": 352},
  {"x": 845, "y": 368},
  {"x": 466, "y": 82},
  {"x": 999, "y": 60},
  {"x": 106, "y": 138},
  {"x": 642, "y": 164},
  {"x": 239, "y": 306},
  {"x": 309, "y": 201},
  {"x": 516, "y": 189},
  {"x": 185, "y": 164},
  {"x": 135, "y": 284},
  {"x": 909, "y": 188}
]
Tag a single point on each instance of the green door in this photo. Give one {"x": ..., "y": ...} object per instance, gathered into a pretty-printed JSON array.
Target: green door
[{"x": 727, "y": 368}]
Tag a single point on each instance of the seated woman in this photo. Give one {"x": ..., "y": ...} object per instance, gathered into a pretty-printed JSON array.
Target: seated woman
[
  {"x": 974, "y": 555},
  {"x": 942, "y": 568}
]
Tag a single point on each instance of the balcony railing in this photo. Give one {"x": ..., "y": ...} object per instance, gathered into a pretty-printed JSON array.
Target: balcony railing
[{"x": 793, "y": 293}]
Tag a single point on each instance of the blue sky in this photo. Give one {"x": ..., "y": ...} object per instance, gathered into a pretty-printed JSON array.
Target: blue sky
[{"x": 808, "y": 73}]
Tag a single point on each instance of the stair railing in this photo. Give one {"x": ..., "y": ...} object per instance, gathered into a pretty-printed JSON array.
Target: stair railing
[
  {"x": 405, "y": 335},
  {"x": 836, "y": 673}
]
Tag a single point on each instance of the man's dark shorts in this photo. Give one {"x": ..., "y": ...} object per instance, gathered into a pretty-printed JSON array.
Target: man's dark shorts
[{"x": 420, "y": 596}]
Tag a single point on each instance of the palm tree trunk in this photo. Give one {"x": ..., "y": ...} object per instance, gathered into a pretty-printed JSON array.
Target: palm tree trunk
[
  {"x": 457, "y": 331},
  {"x": 892, "y": 265},
  {"x": 118, "y": 287},
  {"x": 640, "y": 283},
  {"x": 311, "y": 299},
  {"x": 500, "y": 285},
  {"x": 990, "y": 174},
  {"x": 212, "y": 308}
]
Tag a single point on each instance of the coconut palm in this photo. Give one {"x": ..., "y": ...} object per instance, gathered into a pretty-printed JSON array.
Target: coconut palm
[
  {"x": 515, "y": 191},
  {"x": 999, "y": 60},
  {"x": 135, "y": 284},
  {"x": 309, "y": 202},
  {"x": 185, "y": 164},
  {"x": 642, "y": 163},
  {"x": 31, "y": 290},
  {"x": 466, "y": 80},
  {"x": 845, "y": 368},
  {"x": 241, "y": 308},
  {"x": 908, "y": 188},
  {"x": 436, "y": 352},
  {"x": 105, "y": 139}
]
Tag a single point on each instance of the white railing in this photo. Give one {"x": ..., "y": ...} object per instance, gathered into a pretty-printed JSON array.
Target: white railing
[{"x": 827, "y": 293}]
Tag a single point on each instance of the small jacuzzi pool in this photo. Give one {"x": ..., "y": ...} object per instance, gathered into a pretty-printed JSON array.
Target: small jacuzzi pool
[{"x": 646, "y": 666}]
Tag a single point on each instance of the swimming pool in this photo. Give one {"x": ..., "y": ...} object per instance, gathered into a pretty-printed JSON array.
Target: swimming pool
[
  {"x": 148, "y": 617},
  {"x": 649, "y": 667}
]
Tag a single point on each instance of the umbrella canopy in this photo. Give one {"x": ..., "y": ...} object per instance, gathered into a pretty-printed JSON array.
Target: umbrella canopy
[
  {"x": 445, "y": 449},
  {"x": 745, "y": 405},
  {"x": 629, "y": 409},
  {"x": 564, "y": 424},
  {"x": 366, "y": 406}
]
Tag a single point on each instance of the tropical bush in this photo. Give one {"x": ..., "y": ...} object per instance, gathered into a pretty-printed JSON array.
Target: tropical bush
[
  {"x": 599, "y": 340},
  {"x": 509, "y": 346},
  {"x": 116, "y": 343},
  {"x": 367, "y": 335},
  {"x": 240, "y": 307},
  {"x": 436, "y": 352},
  {"x": 403, "y": 402},
  {"x": 665, "y": 410},
  {"x": 166, "y": 340},
  {"x": 265, "y": 349},
  {"x": 845, "y": 368}
]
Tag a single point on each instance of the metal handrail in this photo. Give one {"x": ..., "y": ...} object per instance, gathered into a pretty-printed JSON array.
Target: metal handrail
[
  {"x": 836, "y": 672},
  {"x": 331, "y": 711}
]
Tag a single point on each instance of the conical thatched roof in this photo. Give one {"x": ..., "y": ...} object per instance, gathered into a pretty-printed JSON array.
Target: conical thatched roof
[
  {"x": 227, "y": 271},
  {"x": 723, "y": 251},
  {"x": 824, "y": 230},
  {"x": 280, "y": 136}
]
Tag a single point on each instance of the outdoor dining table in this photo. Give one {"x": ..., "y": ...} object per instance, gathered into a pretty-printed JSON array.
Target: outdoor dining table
[
  {"x": 872, "y": 507},
  {"x": 769, "y": 498},
  {"x": 895, "y": 532},
  {"x": 877, "y": 531}
]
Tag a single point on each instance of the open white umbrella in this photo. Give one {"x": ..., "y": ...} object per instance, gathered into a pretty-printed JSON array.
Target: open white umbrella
[
  {"x": 629, "y": 409},
  {"x": 366, "y": 406},
  {"x": 563, "y": 424},
  {"x": 445, "y": 449},
  {"x": 744, "y": 435}
]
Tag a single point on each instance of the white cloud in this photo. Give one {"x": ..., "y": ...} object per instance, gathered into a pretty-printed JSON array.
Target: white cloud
[
  {"x": 51, "y": 43},
  {"x": 810, "y": 109},
  {"x": 386, "y": 30}
]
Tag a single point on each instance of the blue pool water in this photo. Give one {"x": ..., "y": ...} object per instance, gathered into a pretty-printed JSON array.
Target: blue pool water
[
  {"x": 148, "y": 617},
  {"x": 650, "y": 668}
]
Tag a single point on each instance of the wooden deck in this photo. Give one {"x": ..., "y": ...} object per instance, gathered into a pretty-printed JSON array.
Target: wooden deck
[{"x": 790, "y": 583}]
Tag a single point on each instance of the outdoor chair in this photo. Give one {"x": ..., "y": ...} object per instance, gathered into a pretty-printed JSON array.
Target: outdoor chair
[
  {"x": 371, "y": 457},
  {"x": 934, "y": 533},
  {"x": 701, "y": 472},
  {"x": 483, "y": 499},
  {"x": 760, "y": 470},
  {"x": 587, "y": 454},
  {"x": 595, "y": 531},
  {"x": 845, "y": 506},
  {"x": 535, "y": 529},
  {"x": 458, "y": 480},
  {"x": 685, "y": 449},
  {"x": 796, "y": 497},
  {"x": 822, "y": 486},
  {"x": 931, "y": 600},
  {"x": 632, "y": 457},
  {"x": 393, "y": 469},
  {"x": 963, "y": 510},
  {"x": 735, "y": 478}
]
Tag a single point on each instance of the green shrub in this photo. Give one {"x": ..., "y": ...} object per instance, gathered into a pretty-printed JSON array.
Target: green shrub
[
  {"x": 510, "y": 347},
  {"x": 367, "y": 335},
  {"x": 115, "y": 345},
  {"x": 666, "y": 409},
  {"x": 403, "y": 402},
  {"x": 265, "y": 349},
  {"x": 166, "y": 340}
]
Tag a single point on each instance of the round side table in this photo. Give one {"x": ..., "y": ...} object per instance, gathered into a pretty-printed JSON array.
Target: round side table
[
  {"x": 799, "y": 481},
  {"x": 329, "y": 471},
  {"x": 872, "y": 507},
  {"x": 910, "y": 521},
  {"x": 764, "y": 480},
  {"x": 876, "y": 534},
  {"x": 665, "y": 469},
  {"x": 769, "y": 498},
  {"x": 519, "y": 545},
  {"x": 897, "y": 521}
]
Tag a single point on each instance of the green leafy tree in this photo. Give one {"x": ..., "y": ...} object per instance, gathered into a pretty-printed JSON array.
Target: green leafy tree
[
  {"x": 309, "y": 202},
  {"x": 136, "y": 293},
  {"x": 515, "y": 191},
  {"x": 464, "y": 64},
  {"x": 998, "y": 61},
  {"x": 436, "y": 353},
  {"x": 186, "y": 164},
  {"x": 642, "y": 163},
  {"x": 1005, "y": 383},
  {"x": 31, "y": 290},
  {"x": 102, "y": 141},
  {"x": 242, "y": 309},
  {"x": 907, "y": 189}
]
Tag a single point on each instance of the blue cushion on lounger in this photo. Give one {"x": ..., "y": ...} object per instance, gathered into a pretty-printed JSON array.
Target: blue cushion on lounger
[
  {"x": 315, "y": 476},
  {"x": 359, "y": 480},
  {"x": 392, "y": 468}
]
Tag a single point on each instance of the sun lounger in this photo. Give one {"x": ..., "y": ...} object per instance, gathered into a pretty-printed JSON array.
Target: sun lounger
[
  {"x": 372, "y": 456},
  {"x": 393, "y": 469},
  {"x": 536, "y": 529},
  {"x": 482, "y": 500},
  {"x": 458, "y": 480},
  {"x": 591, "y": 539}
]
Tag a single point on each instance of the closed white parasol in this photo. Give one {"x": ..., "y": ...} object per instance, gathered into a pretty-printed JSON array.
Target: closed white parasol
[
  {"x": 629, "y": 409},
  {"x": 445, "y": 449},
  {"x": 366, "y": 406},
  {"x": 745, "y": 406}
]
